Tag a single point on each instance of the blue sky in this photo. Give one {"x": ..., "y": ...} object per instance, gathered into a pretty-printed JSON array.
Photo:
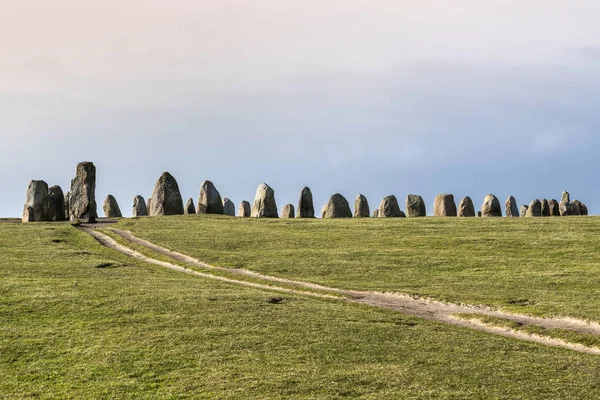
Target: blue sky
[{"x": 373, "y": 97}]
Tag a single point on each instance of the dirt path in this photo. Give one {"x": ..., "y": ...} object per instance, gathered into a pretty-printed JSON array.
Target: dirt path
[{"x": 419, "y": 307}]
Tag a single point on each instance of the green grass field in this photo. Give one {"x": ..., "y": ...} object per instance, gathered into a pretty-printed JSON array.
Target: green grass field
[{"x": 81, "y": 321}]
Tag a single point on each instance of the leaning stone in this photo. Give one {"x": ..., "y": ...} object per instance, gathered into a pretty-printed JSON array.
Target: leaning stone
[
  {"x": 512, "y": 209},
  {"x": 535, "y": 209},
  {"x": 67, "y": 212},
  {"x": 244, "y": 210},
  {"x": 338, "y": 207},
  {"x": 166, "y": 197},
  {"x": 375, "y": 213},
  {"x": 466, "y": 207},
  {"x": 491, "y": 206},
  {"x": 36, "y": 202},
  {"x": 306, "y": 208},
  {"x": 82, "y": 201},
  {"x": 190, "y": 207},
  {"x": 111, "y": 207},
  {"x": 264, "y": 203},
  {"x": 444, "y": 206},
  {"x": 55, "y": 206},
  {"x": 415, "y": 206},
  {"x": 288, "y": 211},
  {"x": 209, "y": 199},
  {"x": 565, "y": 198},
  {"x": 361, "y": 206},
  {"x": 389, "y": 208},
  {"x": 139, "y": 207},
  {"x": 524, "y": 209},
  {"x": 228, "y": 207}
]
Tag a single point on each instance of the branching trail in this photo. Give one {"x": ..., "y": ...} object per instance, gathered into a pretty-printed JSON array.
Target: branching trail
[{"x": 419, "y": 307}]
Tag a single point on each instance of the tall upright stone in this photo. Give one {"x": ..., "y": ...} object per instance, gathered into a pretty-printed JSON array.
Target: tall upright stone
[
  {"x": 36, "y": 202},
  {"x": 512, "y": 210},
  {"x": 288, "y": 211},
  {"x": 466, "y": 207},
  {"x": 524, "y": 209},
  {"x": 337, "y": 207},
  {"x": 55, "y": 206},
  {"x": 565, "y": 198},
  {"x": 190, "y": 207},
  {"x": 306, "y": 209},
  {"x": 545, "y": 208},
  {"x": 554, "y": 208},
  {"x": 324, "y": 211},
  {"x": 228, "y": 207},
  {"x": 444, "y": 206},
  {"x": 139, "y": 207},
  {"x": 111, "y": 207},
  {"x": 82, "y": 201},
  {"x": 415, "y": 206},
  {"x": 491, "y": 206},
  {"x": 361, "y": 207},
  {"x": 375, "y": 213},
  {"x": 67, "y": 212},
  {"x": 209, "y": 199},
  {"x": 166, "y": 197},
  {"x": 244, "y": 210},
  {"x": 389, "y": 208},
  {"x": 264, "y": 203},
  {"x": 149, "y": 204},
  {"x": 535, "y": 209}
]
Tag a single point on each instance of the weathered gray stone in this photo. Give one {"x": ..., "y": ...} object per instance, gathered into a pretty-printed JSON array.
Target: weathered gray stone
[
  {"x": 554, "y": 208},
  {"x": 228, "y": 207},
  {"x": 545, "y": 208},
  {"x": 306, "y": 208},
  {"x": 389, "y": 208},
  {"x": 415, "y": 206},
  {"x": 209, "y": 199},
  {"x": 582, "y": 208},
  {"x": 288, "y": 211},
  {"x": 244, "y": 210},
  {"x": 565, "y": 198},
  {"x": 375, "y": 213},
  {"x": 524, "y": 209},
  {"x": 324, "y": 211},
  {"x": 491, "y": 206},
  {"x": 361, "y": 207},
  {"x": 466, "y": 207},
  {"x": 139, "y": 207},
  {"x": 166, "y": 197},
  {"x": 264, "y": 203},
  {"x": 36, "y": 202},
  {"x": 67, "y": 212},
  {"x": 568, "y": 209},
  {"x": 190, "y": 207},
  {"x": 82, "y": 201},
  {"x": 111, "y": 207},
  {"x": 479, "y": 214},
  {"x": 512, "y": 210},
  {"x": 55, "y": 206},
  {"x": 338, "y": 207},
  {"x": 149, "y": 204},
  {"x": 535, "y": 209},
  {"x": 444, "y": 206}
]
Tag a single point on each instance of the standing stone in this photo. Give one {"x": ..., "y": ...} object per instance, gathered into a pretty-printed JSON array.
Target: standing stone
[
  {"x": 389, "y": 208},
  {"x": 535, "y": 209},
  {"x": 582, "y": 208},
  {"x": 545, "y": 208},
  {"x": 565, "y": 198},
  {"x": 466, "y": 208},
  {"x": 111, "y": 207},
  {"x": 149, "y": 204},
  {"x": 209, "y": 200},
  {"x": 166, "y": 197},
  {"x": 415, "y": 206},
  {"x": 82, "y": 201},
  {"x": 139, "y": 207},
  {"x": 55, "y": 206},
  {"x": 288, "y": 211},
  {"x": 444, "y": 206},
  {"x": 305, "y": 204},
  {"x": 324, "y": 211},
  {"x": 524, "y": 209},
  {"x": 228, "y": 207},
  {"x": 512, "y": 209},
  {"x": 244, "y": 210},
  {"x": 491, "y": 206},
  {"x": 568, "y": 209},
  {"x": 361, "y": 207},
  {"x": 189, "y": 208},
  {"x": 376, "y": 213},
  {"x": 36, "y": 202},
  {"x": 554, "y": 208},
  {"x": 337, "y": 207},
  {"x": 479, "y": 214},
  {"x": 67, "y": 212},
  {"x": 264, "y": 203}
]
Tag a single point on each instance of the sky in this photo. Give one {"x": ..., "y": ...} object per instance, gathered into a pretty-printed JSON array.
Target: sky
[{"x": 356, "y": 96}]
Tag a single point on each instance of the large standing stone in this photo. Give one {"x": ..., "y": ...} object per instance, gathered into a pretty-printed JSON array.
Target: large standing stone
[
  {"x": 361, "y": 207},
  {"x": 565, "y": 198},
  {"x": 466, "y": 207},
  {"x": 67, "y": 212},
  {"x": 568, "y": 209},
  {"x": 512, "y": 210},
  {"x": 524, "y": 209},
  {"x": 166, "y": 197},
  {"x": 228, "y": 207},
  {"x": 389, "y": 208},
  {"x": 535, "y": 209},
  {"x": 82, "y": 202},
  {"x": 375, "y": 213},
  {"x": 264, "y": 203},
  {"x": 415, "y": 206},
  {"x": 149, "y": 204},
  {"x": 554, "y": 208},
  {"x": 288, "y": 211},
  {"x": 545, "y": 208},
  {"x": 444, "y": 206},
  {"x": 491, "y": 206},
  {"x": 139, "y": 207},
  {"x": 36, "y": 202},
  {"x": 190, "y": 207},
  {"x": 245, "y": 209},
  {"x": 306, "y": 208},
  {"x": 209, "y": 200},
  {"x": 338, "y": 207},
  {"x": 55, "y": 206},
  {"x": 582, "y": 208},
  {"x": 111, "y": 207}
]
